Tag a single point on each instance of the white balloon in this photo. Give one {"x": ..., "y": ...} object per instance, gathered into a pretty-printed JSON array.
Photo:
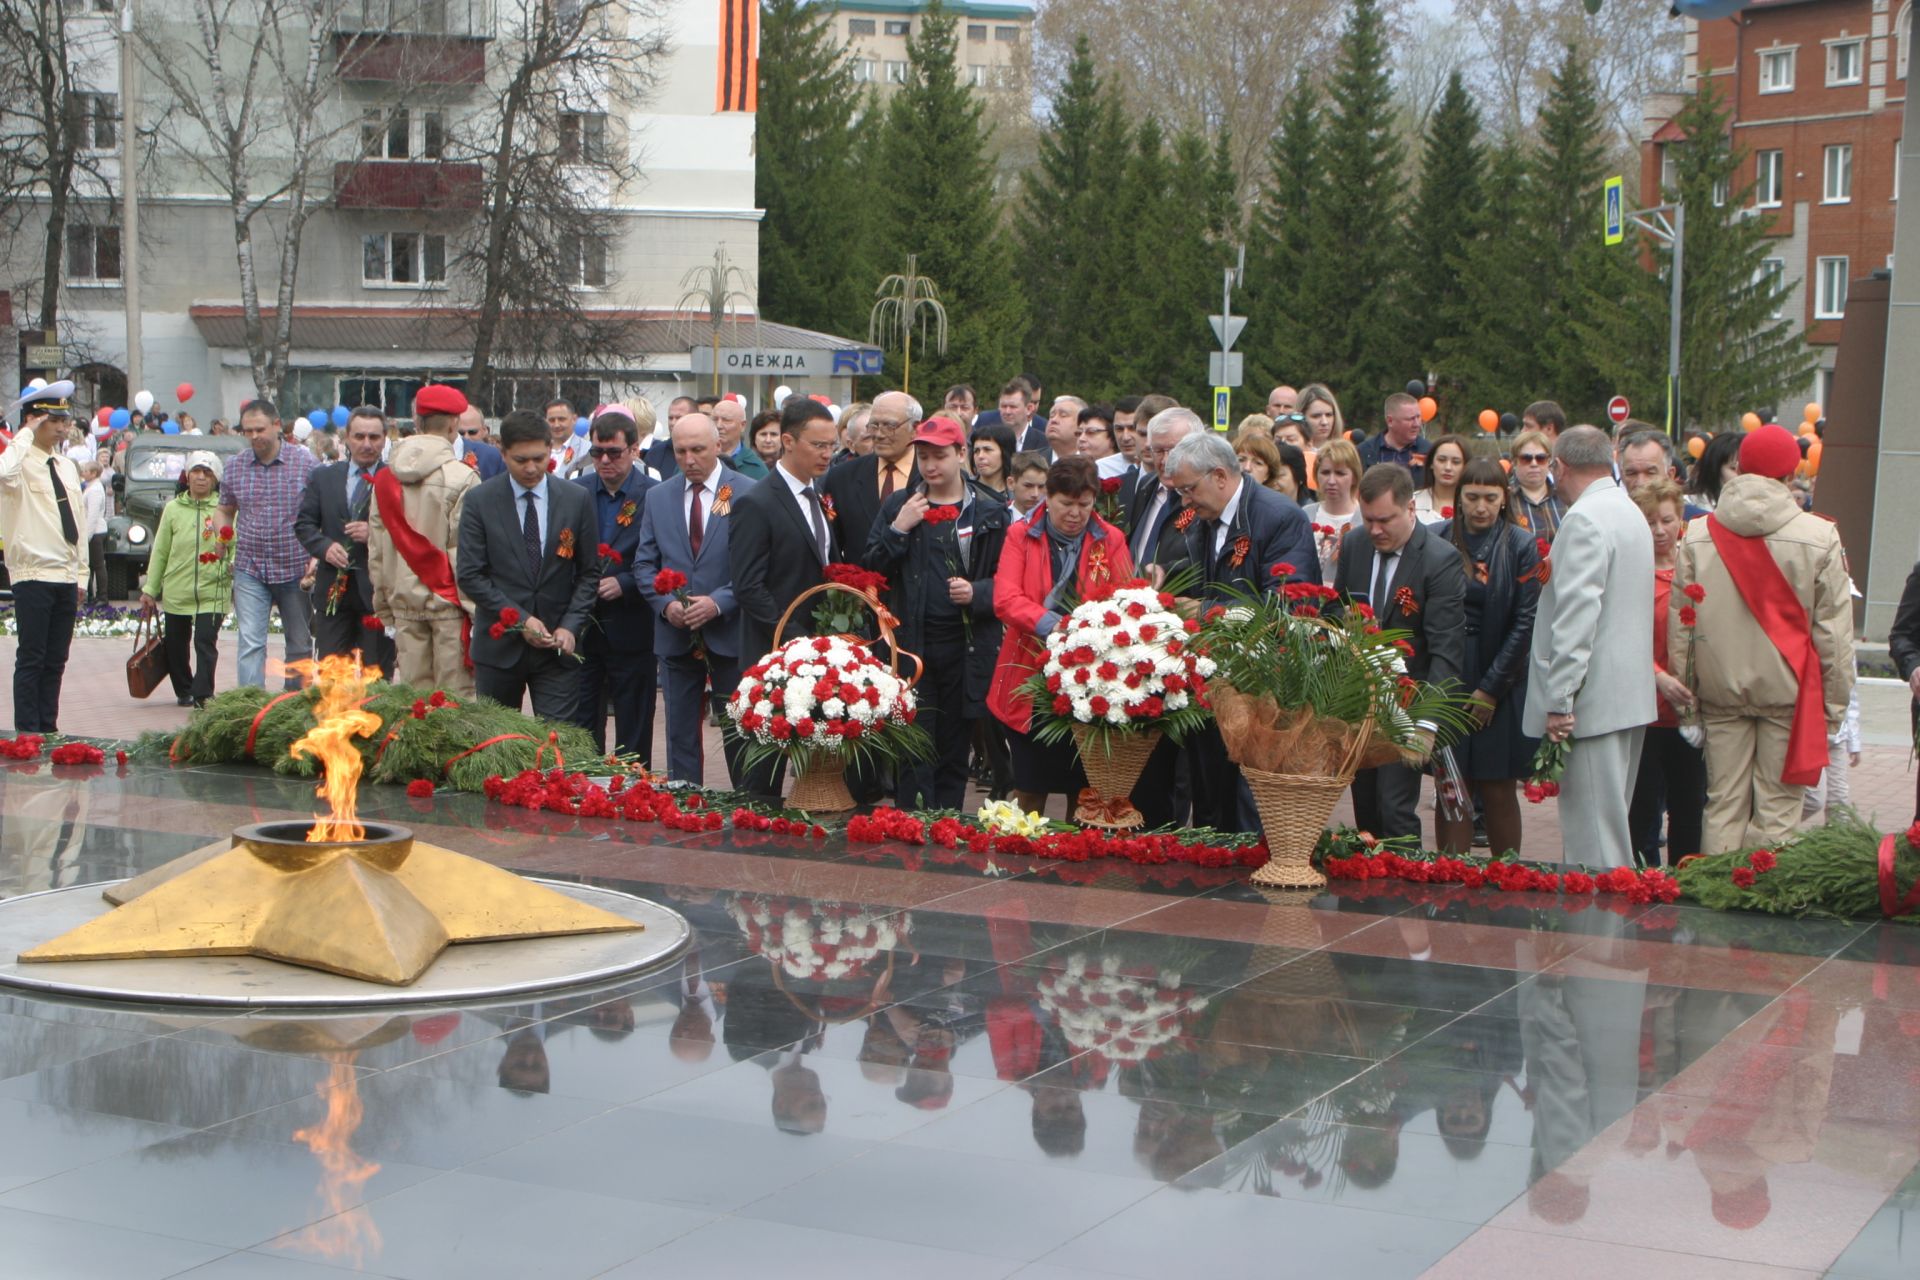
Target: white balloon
[
  {"x": 834, "y": 409},
  {"x": 302, "y": 429},
  {"x": 36, "y": 384},
  {"x": 780, "y": 396},
  {"x": 143, "y": 401}
]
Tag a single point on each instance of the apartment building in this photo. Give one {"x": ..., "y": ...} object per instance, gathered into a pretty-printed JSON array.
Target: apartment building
[{"x": 996, "y": 41}]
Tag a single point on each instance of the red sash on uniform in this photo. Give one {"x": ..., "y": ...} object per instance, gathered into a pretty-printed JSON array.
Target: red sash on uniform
[
  {"x": 428, "y": 562},
  {"x": 1777, "y": 609}
]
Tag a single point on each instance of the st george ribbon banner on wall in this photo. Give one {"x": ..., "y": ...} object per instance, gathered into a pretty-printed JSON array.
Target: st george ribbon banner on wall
[{"x": 736, "y": 88}]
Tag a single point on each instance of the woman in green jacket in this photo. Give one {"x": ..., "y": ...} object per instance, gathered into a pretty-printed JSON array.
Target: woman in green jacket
[{"x": 190, "y": 579}]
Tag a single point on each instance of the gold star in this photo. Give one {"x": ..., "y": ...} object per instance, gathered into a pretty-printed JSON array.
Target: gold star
[{"x": 380, "y": 909}]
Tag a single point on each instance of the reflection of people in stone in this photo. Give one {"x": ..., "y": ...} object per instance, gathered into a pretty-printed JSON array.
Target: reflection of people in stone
[
  {"x": 799, "y": 1103},
  {"x": 523, "y": 1068},
  {"x": 41, "y": 840}
]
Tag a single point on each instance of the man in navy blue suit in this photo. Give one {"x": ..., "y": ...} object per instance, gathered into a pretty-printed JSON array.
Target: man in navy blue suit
[
  {"x": 617, "y": 666},
  {"x": 684, "y": 528},
  {"x": 474, "y": 447}
]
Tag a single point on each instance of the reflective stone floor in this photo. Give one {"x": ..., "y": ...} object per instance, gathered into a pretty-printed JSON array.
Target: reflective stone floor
[{"x": 905, "y": 1061}]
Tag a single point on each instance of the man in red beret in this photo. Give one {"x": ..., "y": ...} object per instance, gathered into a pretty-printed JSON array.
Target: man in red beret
[
  {"x": 415, "y": 522},
  {"x": 1761, "y": 630}
]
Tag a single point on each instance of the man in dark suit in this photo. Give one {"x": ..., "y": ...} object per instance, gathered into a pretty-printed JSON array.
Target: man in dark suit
[
  {"x": 685, "y": 528},
  {"x": 527, "y": 543},
  {"x": 1414, "y": 582},
  {"x": 784, "y": 534},
  {"x": 860, "y": 484},
  {"x": 617, "y": 668},
  {"x": 332, "y": 526},
  {"x": 1147, "y": 506},
  {"x": 474, "y": 448},
  {"x": 1240, "y": 535}
]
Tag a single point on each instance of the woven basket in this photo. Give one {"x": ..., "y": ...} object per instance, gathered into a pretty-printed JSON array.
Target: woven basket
[
  {"x": 820, "y": 783},
  {"x": 1112, "y": 770},
  {"x": 1294, "y": 810}
]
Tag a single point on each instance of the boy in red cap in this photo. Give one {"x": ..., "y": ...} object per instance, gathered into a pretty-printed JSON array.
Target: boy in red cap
[{"x": 1761, "y": 629}]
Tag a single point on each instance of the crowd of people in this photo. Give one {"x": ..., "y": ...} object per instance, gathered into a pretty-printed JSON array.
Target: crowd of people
[{"x": 1685, "y": 632}]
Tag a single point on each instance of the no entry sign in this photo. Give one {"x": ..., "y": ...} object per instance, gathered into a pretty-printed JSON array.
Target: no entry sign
[{"x": 1617, "y": 410}]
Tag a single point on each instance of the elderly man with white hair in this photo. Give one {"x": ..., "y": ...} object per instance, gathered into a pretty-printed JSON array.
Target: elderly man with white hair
[
  {"x": 1154, "y": 506},
  {"x": 858, "y": 485}
]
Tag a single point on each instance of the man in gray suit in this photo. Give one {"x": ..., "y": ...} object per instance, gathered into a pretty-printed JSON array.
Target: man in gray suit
[
  {"x": 1592, "y": 672},
  {"x": 684, "y": 528},
  {"x": 528, "y": 542}
]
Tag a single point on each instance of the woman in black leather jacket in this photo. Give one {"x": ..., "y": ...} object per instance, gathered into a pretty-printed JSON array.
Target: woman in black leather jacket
[
  {"x": 1903, "y": 646},
  {"x": 1503, "y": 589}
]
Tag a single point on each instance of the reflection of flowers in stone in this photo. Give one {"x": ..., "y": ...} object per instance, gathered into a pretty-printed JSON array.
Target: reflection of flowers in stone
[
  {"x": 818, "y": 941},
  {"x": 1125, "y": 1013}
]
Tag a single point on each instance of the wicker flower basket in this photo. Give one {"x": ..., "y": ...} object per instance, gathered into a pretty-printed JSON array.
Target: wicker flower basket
[
  {"x": 820, "y": 783},
  {"x": 1113, "y": 767},
  {"x": 1294, "y": 809}
]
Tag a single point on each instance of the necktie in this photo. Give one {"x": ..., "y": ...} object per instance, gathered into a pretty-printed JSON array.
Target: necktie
[
  {"x": 357, "y": 503},
  {"x": 1143, "y": 536},
  {"x": 695, "y": 532},
  {"x": 531, "y": 529},
  {"x": 886, "y": 482},
  {"x": 1382, "y": 580},
  {"x": 819, "y": 523},
  {"x": 67, "y": 526}
]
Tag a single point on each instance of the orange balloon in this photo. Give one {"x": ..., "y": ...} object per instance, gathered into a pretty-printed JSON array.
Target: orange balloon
[
  {"x": 1807, "y": 428},
  {"x": 1813, "y": 457},
  {"x": 1749, "y": 421},
  {"x": 1506, "y": 465},
  {"x": 1489, "y": 421},
  {"x": 1812, "y": 412},
  {"x": 1697, "y": 446},
  {"x": 1428, "y": 407}
]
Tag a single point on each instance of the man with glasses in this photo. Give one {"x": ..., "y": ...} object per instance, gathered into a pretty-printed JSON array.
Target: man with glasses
[
  {"x": 476, "y": 445},
  {"x": 1152, "y": 506},
  {"x": 859, "y": 485},
  {"x": 1537, "y": 507},
  {"x": 616, "y": 650}
]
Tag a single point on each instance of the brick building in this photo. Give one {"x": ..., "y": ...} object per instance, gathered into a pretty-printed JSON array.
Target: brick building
[{"x": 1816, "y": 89}]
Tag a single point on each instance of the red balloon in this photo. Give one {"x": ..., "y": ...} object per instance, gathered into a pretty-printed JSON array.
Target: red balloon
[
  {"x": 106, "y": 412},
  {"x": 183, "y": 392}
]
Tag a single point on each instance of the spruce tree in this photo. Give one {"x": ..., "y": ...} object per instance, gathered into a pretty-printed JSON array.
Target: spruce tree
[
  {"x": 936, "y": 200},
  {"x": 1358, "y": 331},
  {"x": 1277, "y": 313},
  {"x": 1442, "y": 223},
  {"x": 1491, "y": 323},
  {"x": 812, "y": 270},
  {"x": 1564, "y": 229},
  {"x": 1066, "y": 231}
]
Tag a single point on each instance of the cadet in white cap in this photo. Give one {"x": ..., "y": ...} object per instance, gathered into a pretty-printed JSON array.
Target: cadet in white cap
[{"x": 46, "y": 555}]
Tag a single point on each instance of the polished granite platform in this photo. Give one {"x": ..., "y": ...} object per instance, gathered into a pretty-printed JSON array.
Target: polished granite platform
[{"x": 891, "y": 1060}]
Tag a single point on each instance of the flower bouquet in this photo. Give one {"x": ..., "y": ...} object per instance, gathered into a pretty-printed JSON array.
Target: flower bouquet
[
  {"x": 818, "y": 701},
  {"x": 1120, "y": 672},
  {"x": 1121, "y": 1012},
  {"x": 845, "y": 612},
  {"x": 1304, "y": 700}
]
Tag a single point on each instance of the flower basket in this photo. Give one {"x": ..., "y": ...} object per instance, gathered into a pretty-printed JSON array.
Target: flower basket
[
  {"x": 1113, "y": 766},
  {"x": 1294, "y": 809},
  {"x": 819, "y": 702}
]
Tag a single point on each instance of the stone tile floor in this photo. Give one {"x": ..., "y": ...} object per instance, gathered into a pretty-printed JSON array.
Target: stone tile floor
[{"x": 1350, "y": 1084}]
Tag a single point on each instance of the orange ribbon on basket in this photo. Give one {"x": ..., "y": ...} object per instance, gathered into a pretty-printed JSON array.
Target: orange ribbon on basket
[
  {"x": 1891, "y": 903},
  {"x": 253, "y": 730},
  {"x": 553, "y": 741}
]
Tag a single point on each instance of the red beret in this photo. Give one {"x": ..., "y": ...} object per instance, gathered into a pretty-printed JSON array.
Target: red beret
[
  {"x": 1769, "y": 451},
  {"x": 941, "y": 431},
  {"x": 435, "y": 398}
]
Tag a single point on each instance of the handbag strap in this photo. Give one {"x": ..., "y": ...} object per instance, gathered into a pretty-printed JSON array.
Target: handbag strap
[{"x": 140, "y": 631}]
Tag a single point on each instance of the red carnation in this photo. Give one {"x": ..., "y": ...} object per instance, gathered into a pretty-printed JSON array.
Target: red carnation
[
  {"x": 1687, "y": 615},
  {"x": 509, "y": 617},
  {"x": 372, "y": 622},
  {"x": 608, "y": 553},
  {"x": 420, "y": 788},
  {"x": 667, "y": 581},
  {"x": 1446, "y": 513},
  {"x": 439, "y": 698},
  {"x": 498, "y": 631},
  {"x": 1763, "y": 860},
  {"x": 1110, "y": 485},
  {"x": 226, "y": 533},
  {"x": 1694, "y": 592},
  {"x": 1743, "y": 877},
  {"x": 119, "y": 757}
]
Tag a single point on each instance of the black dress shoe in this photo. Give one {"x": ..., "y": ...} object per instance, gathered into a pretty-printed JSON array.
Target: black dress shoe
[{"x": 183, "y": 702}]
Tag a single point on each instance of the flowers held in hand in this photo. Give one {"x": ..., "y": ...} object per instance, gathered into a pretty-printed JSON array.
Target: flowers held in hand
[
  {"x": 672, "y": 582},
  {"x": 825, "y": 693},
  {"x": 608, "y": 556},
  {"x": 508, "y": 623},
  {"x": 371, "y": 622},
  {"x": 1549, "y": 767},
  {"x": 946, "y": 514},
  {"x": 1694, "y": 592},
  {"x": 1122, "y": 661}
]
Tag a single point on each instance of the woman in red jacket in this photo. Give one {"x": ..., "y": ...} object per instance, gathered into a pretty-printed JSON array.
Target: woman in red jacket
[{"x": 1046, "y": 565}]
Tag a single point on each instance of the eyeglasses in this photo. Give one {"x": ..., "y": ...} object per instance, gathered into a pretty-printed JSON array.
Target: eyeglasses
[
  {"x": 1530, "y": 459},
  {"x": 608, "y": 454},
  {"x": 1291, "y": 417}
]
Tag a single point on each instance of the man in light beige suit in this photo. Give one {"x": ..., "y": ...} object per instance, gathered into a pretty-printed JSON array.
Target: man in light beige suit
[{"x": 1591, "y": 682}]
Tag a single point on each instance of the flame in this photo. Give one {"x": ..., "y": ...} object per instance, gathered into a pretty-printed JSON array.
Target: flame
[
  {"x": 339, "y": 718},
  {"x": 344, "y": 1228}
]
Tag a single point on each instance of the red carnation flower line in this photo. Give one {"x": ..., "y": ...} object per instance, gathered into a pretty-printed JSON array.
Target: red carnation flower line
[{"x": 1349, "y": 855}]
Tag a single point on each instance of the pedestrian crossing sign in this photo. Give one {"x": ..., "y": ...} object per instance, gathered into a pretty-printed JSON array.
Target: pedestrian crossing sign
[{"x": 1616, "y": 214}]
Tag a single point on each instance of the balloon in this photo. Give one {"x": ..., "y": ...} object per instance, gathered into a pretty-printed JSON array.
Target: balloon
[
  {"x": 1807, "y": 428},
  {"x": 817, "y": 398},
  {"x": 1428, "y": 407},
  {"x": 1749, "y": 421},
  {"x": 1506, "y": 465},
  {"x": 1509, "y": 422},
  {"x": 1696, "y": 446},
  {"x": 581, "y": 426},
  {"x": 780, "y": 394},
  {"x": 35, "y": 384},
  {"x": 183, "y": 392},
  {"x": 143, "y": 401},
  {"x": 318, "y": 418},
  {"x": 1489, "y": 421},
  {"x": 1416, "y": 388},
  {"x": 303, "y": 428},
  {"x": 1814, "y": 451},
  {"x": 119, "y": 419},
  {"x": 341, "y": 415},
  {"x": 170, "y": 428},
  {"x": 106, "y": 412},
  {"x": 1811, "y": 413},
  {"x": 833, "y": 411}
]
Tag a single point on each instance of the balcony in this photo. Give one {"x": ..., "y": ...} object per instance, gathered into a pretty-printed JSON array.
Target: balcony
[
  {"x": 399, "y": 58},
  {"x": 430, "y": 185}
]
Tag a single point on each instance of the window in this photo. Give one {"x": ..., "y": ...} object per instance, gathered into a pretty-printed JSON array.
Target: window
[
  {"x": 1669, "y": 168},
  {"x": 898, "y": 28},
  {"x": 1896, "y": 170},
  {"x": 1719, "y": 193},
  {"x": 860, "y": 26},
  {"x": 1769, "y": 178},
  {"x": 403, "y": 257},
  {"x": 1007, "y": 35},
  {"x": 1002, "y": 78},
  {"x": 1838, "y": 187},
  {"x": 976, "y": 75},
  {"x": 896, "y": 73},
  {"x": 863, "y": 70},
  {"x": 583, "y": 138},
  {"x": 1776, "y": 70},
  {"x": 1830, "y": 300},
  {"x": 95, "y": 118},
  {"x": 1902, "y": 38},
  {"x": 1768, "y": 280},
  {"x": 403, "y": 135},
  {"x": 93, "y": 253},
  {"x": 588, "y": 255},
  {"x": 1843, "y": 62},
  {"x": 976, "y": 31}
]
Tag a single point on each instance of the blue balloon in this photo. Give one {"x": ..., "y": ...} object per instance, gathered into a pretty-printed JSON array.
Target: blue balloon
[
  {"x": 341, "y": 414},
  {"x": 119, "y": 419},
  {"x": 170, "y": 427},
  {"x": 581, "y": 426},
  {"x": 318, "y": 418}
]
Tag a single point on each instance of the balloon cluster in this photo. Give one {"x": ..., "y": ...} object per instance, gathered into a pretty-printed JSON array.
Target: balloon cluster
[{"x": 112, "y": 419}]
